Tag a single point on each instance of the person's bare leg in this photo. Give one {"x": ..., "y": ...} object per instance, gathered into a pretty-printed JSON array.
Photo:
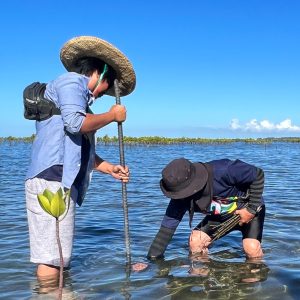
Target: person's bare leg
[
  {"x": 47, "y": 277},
  {"x": 199, "y": 242},
  {"x": 47, "y": 271},
  {"x": 252, "y": 248}
]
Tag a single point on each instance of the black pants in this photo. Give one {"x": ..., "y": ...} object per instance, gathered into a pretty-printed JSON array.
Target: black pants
[{"x": 252, "y": 230}]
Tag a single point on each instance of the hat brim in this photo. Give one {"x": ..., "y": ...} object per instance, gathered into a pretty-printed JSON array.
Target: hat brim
[
  {"x": 197, "y": 183},
  {"x": 89, "y": 46}
]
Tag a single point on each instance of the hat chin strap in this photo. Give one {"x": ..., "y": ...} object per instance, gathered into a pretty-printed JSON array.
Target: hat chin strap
[
  {"x": 100, "y": 77},
  {"x": 97, "y": 83}
]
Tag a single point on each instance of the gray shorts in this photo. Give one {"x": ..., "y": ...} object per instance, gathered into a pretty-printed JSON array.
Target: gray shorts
[{"x": 42, "y": 226}]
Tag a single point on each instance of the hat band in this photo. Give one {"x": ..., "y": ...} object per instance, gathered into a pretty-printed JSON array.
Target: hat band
[{"x": 185, "y": 183}]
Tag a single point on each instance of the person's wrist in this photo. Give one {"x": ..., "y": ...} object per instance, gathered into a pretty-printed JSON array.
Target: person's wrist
[
  {"x": 153, "y": 257},
  {"x": 111, "y": 169},
  {"x": 253, "y": 209},
  {"x": 111, "y": 116}
]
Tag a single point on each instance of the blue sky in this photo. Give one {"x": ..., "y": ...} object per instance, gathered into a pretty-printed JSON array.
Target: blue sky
[{"x": 204, "y": 68}]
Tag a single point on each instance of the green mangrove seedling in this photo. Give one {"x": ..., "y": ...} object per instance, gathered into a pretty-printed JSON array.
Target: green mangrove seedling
[{"x": 55, "y": 205}]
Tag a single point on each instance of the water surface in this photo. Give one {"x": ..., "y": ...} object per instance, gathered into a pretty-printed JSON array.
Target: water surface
[{"x": 98, "y": 265}]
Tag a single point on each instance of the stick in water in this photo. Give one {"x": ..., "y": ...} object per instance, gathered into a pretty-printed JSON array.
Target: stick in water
[
  {"x": 227, "y": 226},
  {"x": 124, "y": 190}
]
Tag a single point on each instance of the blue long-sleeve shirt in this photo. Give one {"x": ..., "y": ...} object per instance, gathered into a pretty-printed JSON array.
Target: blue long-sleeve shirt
[{"x": 58, "y": 139}]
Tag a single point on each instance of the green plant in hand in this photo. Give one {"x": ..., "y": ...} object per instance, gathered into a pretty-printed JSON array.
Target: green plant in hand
[{"x": 55, "y": 205}]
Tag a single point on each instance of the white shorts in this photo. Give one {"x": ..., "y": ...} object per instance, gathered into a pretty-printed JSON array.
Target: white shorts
[{"x": 42, "y": 226}]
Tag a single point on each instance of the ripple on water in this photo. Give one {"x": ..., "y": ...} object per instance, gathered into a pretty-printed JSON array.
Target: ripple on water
[{"x": 98, "y": 268}]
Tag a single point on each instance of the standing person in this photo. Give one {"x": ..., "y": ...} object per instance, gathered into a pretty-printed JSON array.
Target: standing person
[
  {"x": 63, "y": 152},
  {"x": 219, "y": 189}
]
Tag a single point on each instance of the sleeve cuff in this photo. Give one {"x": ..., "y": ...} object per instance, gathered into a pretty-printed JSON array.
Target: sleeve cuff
[{"x": 252, "y": 209}]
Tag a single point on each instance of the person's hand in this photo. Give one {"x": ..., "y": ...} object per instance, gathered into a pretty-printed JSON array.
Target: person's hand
[
  {"x": 138, "y": 267},
  {"x": 119, "y": 113},
  {"x": 245, "y": 216},
  {"x": 120, "y": 173}
]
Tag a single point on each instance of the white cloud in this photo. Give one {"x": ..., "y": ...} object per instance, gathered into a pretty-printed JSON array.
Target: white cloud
[
  {"x": 234, "y": 124},
  {"x": 264, "y": 126}
]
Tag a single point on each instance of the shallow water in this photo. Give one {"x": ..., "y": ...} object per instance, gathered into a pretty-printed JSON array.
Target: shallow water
[{"x": 98, "y": 266}]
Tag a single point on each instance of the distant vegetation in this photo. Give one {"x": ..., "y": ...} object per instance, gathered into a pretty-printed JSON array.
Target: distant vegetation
[
  {"x": 28, "y": 139},
  {"x": 157, "y": 140}
]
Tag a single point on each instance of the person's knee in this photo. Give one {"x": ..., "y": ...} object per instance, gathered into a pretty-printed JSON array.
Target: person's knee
[
  {"x": 252, "y": 248},
  {"x": 47, "y": 271},
  {"x": 199, "y": 241}
]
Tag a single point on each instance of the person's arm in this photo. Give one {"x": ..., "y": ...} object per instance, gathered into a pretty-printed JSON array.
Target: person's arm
[
  {"x": 160, "y": 242},
  {"x": 73, "y": 101},
  {"x": 116, "y": 171},
  {"x": 243, "y": 174},
  {"x": 255, "y": 199},
  {"x": 256, "y": 191},
  {"x": 174, "y": 214},
  {"x": 93, "y": 122}
]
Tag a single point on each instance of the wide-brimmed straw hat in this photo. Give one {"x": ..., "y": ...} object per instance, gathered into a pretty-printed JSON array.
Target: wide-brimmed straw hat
[
  {"x": 182, "y": 178},
  {"x": 90, "y": 46}
]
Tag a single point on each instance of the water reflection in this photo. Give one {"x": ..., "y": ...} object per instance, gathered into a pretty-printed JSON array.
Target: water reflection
[
  {"x": 206, "y": 277},
  {"x": 247, "y": 272},
  {"x": 48, "y": 288}
]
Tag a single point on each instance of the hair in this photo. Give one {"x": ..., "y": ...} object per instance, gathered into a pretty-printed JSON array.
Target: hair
[{"x": 88, "y": 65}]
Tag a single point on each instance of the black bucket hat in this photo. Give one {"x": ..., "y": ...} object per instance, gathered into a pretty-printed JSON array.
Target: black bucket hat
[{"x": 182, "y": 178}]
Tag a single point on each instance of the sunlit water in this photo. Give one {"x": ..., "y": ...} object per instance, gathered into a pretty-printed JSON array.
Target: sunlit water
[{"x": 98, "y": 266}]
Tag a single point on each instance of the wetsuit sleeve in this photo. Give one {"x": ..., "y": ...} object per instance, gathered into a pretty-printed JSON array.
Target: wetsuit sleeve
[
  {"x": 160, "y": 242},
  {"x": 174, "y": 214},
  {"x": 256, "y": 191}
]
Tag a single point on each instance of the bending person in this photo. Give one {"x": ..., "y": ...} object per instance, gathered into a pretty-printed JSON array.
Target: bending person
[{"x": 219, "y": 189}]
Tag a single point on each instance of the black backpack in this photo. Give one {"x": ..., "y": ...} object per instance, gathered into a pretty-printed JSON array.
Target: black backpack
[{"x": 36, "y": 107}]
